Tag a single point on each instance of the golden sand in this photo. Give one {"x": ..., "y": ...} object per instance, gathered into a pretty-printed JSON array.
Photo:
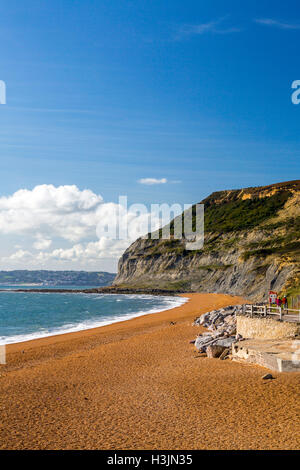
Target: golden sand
[{"x": 139, "y": 384}]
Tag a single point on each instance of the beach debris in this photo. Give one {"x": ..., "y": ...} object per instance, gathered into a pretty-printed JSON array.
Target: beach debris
[
  {"x": 268, "y": 377},
  {"x": 222, "y": 334}
]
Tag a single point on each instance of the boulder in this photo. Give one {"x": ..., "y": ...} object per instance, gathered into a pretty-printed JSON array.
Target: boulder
[
  {"x": 268, "y": 377},
  {"x": 224, "y": 354},
  {"x": 201, "y": 343},
  {"x": 222, "y": 326},
  {"x": 214, "y": 351},
  {"x": 230, "y": 320},
  {"x": 226, "y": 343}
]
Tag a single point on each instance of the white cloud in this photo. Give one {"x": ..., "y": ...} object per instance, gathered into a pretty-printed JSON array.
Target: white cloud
[
  {"x": 277, "y": 24},
  {"x": 80, "y": 254},
  {"x": 20, "y": 255},
  {"x": 42, "y": 243},
  {"x": 48, "y": 197},
  {"x": 62, "y": 211},
  {"x": 89, "y": 251},
  {"x": 151, "y": 181},
  {"x": 49, "y": 216}
]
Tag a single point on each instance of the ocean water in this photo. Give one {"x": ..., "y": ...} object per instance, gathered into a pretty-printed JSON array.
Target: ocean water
[
  {"x": 25, "y": 315},
  {"x": 42, "y": 287}
]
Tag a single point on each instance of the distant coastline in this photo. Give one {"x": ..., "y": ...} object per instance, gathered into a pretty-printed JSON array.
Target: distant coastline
[
  {"x": 22, "y": 284},
  {"x": 47, "y": 278},
  {"x": 100, "y": 290}
]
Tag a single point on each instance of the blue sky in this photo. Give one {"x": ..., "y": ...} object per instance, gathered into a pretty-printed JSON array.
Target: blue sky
[{"x": 102, "y": 94}]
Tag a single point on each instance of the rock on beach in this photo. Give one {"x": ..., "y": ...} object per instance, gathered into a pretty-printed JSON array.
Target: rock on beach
[{"x": 222, "y": 331}]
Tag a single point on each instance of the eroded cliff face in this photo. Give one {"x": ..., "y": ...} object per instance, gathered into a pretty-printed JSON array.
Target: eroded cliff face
[{"x": 252, "y": 244}]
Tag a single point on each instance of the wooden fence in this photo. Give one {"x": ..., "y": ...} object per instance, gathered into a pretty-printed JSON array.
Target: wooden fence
[{"x": 286, "y": 314}]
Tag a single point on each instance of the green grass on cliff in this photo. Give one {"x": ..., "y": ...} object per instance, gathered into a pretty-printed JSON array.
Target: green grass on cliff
[
  {"x": 233, "y": 214},
  {"x": 236, "y": 215},
  {"x": 227, "y": 212},
  {"x": 292, "y": 222}
]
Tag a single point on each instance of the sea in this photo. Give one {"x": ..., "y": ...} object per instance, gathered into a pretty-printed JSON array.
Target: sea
[{"x": 29, "y": 315}]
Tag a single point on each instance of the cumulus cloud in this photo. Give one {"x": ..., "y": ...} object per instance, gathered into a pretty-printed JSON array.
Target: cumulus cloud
[
  {"x": 88, "y": 251},
  {"x": 46, "y": 196},
  {"x": 57, "y": 216},
  {"x": 42, "y": 243},
  {"x": 63, "y": 211},
  {"x": 151, "y": 181},
  {"x": 80, "y": 254},
  {"x": 20, "y": 255}
]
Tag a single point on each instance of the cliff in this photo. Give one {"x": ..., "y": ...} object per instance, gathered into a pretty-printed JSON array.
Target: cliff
[{"x": 252, "y": 244}]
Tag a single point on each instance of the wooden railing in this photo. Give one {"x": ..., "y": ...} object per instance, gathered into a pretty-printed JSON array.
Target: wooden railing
[{"x": 287, "y": 314}]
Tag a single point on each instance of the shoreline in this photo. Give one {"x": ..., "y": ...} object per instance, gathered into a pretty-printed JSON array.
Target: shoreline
[
  {"x": 120, "y": 318},
  {"x": 139, "y": 384},
  {"x": 128, "y": 325}
]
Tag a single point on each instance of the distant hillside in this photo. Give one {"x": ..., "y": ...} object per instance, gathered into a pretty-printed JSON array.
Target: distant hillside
[
  {"x": 57, "y": 278},
  {"x": 252, "y": 244}
]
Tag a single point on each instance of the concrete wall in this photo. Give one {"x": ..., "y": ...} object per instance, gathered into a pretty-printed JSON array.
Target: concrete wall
[
  {"x": 265, "y": 328},
  {"x": 276, "y": 354}
]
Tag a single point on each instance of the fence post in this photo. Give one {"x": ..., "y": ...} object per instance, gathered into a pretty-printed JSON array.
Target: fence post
[
  {"x": 251, "y": 311},
  {"x": 265, "y": 310},
  {"x": 280, "y": 312}
]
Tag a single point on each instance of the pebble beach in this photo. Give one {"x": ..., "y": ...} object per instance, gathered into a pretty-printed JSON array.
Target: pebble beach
[{"x": 140, "y": 384}]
